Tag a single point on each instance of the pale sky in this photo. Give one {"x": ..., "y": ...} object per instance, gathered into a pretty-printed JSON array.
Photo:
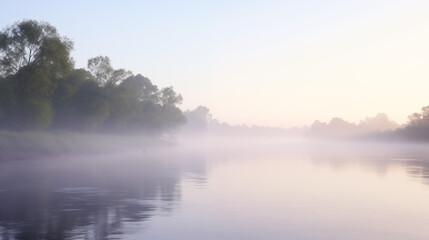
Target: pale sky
[{"x": 270, "y": 63}]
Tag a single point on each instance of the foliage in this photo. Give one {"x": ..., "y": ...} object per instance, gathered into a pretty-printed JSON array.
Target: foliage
[
  {"x": 417, "y": 127},
  {"x": 104, "y": 74},
  {"x": 33, "y": 45},
  {"x": 39, "y": 88},
  {"x": 197, "y": 119}
]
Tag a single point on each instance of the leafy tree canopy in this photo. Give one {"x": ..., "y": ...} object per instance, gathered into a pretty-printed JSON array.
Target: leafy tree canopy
[
  {"x": 101, "y": 69},
  {"x": 34, "y": 44},
  {"x": 39, "y": 88}
]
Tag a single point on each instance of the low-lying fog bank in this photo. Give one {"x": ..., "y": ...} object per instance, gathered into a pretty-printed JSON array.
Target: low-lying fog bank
[{"x": 37, "y": 144}]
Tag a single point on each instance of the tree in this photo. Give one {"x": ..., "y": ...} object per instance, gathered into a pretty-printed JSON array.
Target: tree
[
  {"x": 64, "y": 94},
  {"x": 33, "y": 58},
  {"x": 8, "y": 103},
  {"x": 417, "y": 127},
  {"x": 103, "y": 72},
  {"x": 33, "y": 44},
  {"x": 34, "y": 93},
  {"x": 169, "y": 97},
  {"x": 197, "y": 119},
  {"x": 88, "y": 108},
  {"x": 146, "y": 91},
  {"x": 39, "y": 88},
  {"x": 380, "y": 122},
  {"x": 419, "y": 119}
]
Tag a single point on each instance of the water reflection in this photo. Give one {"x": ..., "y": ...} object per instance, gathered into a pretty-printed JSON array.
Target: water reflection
[
  {"x": 114, "y": 196},
  {"x": 417, "y": 168},
  {"x": 413, "y": 158},
  {"x": 88, "y": 197}
]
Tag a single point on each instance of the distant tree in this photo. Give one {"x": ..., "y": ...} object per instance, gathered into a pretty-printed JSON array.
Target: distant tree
[
  {"x": 380, "y": 122},
  {"x": 419, "y": 119},
  {"x": 417, "y": 127},
  {"x": 197, "y": 119},
  {"x": 339, "y": 128}
]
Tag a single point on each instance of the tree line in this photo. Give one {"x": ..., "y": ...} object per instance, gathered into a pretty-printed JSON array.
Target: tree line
[
  {"x": 417, "y": 127},
  {"x": 380, "y": 128},
  {"x": 41, "y": 89}
]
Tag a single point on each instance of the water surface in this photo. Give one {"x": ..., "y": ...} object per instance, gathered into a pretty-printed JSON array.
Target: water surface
[{"x": 281, "y": 191}]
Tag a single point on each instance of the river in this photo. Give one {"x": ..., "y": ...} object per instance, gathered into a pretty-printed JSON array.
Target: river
[{"x": 279, "y": 191}]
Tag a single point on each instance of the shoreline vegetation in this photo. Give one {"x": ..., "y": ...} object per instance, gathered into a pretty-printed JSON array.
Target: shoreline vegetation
[
  {"x": 43, "y": 144},
  {"x": 48, "y": 107},
  {"x": 40, "y": 89}
]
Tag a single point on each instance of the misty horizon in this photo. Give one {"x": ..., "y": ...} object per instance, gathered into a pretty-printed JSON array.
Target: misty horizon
[
  {"x": 257, "y": 63},
  {"x": 209, "y": 120}
]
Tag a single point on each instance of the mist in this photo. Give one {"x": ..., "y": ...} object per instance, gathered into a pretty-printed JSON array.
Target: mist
[{"x": 176, "y": 146}]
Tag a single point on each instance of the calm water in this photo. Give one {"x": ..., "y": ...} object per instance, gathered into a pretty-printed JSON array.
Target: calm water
[{"x": 282, "y": 191}]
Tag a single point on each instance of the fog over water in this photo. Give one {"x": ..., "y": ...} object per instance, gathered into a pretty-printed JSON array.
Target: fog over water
[
  {"x": 253, "y": 190},
  {"x": 220, "y": 120}
]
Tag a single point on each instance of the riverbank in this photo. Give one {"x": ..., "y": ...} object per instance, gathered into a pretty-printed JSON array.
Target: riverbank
[{"x": 39, "y": 144}]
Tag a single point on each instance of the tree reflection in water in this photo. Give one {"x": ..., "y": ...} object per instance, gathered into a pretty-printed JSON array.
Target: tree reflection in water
[
  {"x": 414, "y": 158},
  {"x": 109, "y": 196},
  {"x": 88, "y": 197}
]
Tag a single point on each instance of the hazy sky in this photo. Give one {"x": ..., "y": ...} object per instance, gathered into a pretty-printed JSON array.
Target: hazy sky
[{"x": 273, "y": 63}]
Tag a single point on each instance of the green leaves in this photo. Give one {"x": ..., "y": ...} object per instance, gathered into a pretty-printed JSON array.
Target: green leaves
[
  {"x": 39, "y": 88},
  {"x": 33, "y": 56},
  {"x": 102, "y": 71},
  {"x": 33, "y": 44}
]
